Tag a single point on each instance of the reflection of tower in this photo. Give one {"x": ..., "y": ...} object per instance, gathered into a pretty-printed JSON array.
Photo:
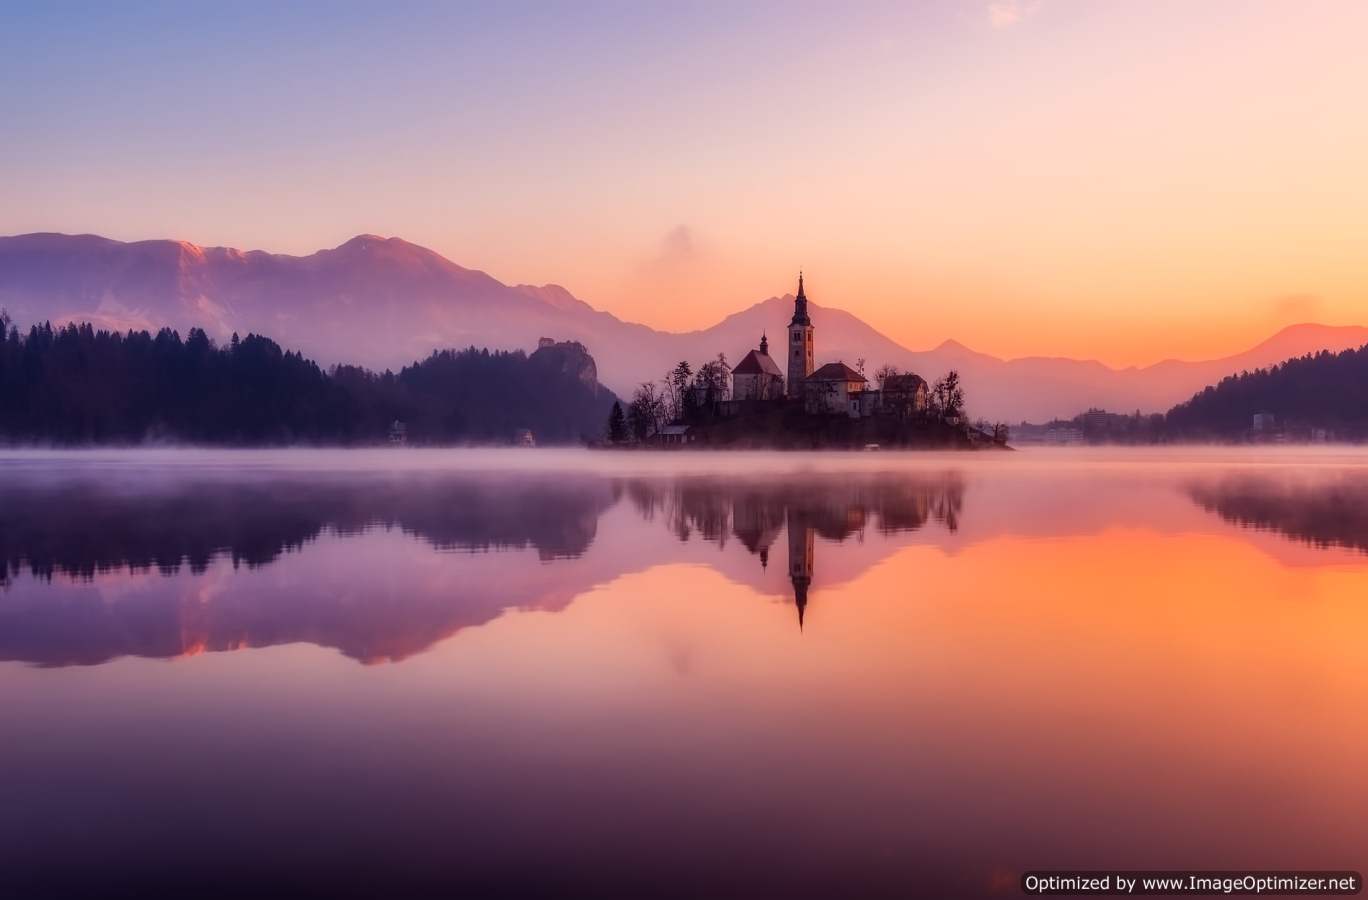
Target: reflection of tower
[
  {"x": 801, "y": 536},
  {"x": 800, "y": 352}
]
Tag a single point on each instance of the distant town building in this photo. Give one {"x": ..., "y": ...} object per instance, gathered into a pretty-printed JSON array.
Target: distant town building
[
  {"x": 398, "y": 432},
  {"x": 834, "y": 388},
  {"x": 524, "y": 437},
  {"x": 1094, "y": 422},
  {"x": 800, "y": 340},
  {"x": 1264, "y": 421},
  {"x": 674, "y": 435},
  {"x": 1063, "y": 434},
  {"x": 757, "y": 376}
]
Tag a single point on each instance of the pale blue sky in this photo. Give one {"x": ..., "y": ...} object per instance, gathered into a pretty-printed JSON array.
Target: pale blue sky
[{"x": 1121, "y": 180}]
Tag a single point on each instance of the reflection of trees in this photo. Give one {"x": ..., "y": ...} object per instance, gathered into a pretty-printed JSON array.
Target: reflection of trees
[
  {"x": 834, "y": 507},
  {"x": 837, "y": 507},
  {"x": 148, "y": 524},
  {"x": 79, "y": 529},
  {"x": 1332, "y": 513}
]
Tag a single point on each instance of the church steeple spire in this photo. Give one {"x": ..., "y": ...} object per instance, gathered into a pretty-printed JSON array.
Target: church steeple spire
[
  {"x": 800, "y": 313},
  {"x": 764, "y": 343},
  {"x": 800, "y": 344}
]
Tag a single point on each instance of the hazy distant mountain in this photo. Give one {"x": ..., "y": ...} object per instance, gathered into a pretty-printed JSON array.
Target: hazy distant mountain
[
  {"x": 384, "y": 302},
  {"x": 381, "y": 302}
]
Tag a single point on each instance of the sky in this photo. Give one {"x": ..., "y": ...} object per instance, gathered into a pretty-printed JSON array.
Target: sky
[{"x": 1113, "y": 180}]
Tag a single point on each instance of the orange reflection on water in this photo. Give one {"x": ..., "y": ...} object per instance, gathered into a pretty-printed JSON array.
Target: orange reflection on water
[
  {"x": 1130, "y": 698},
  {"x": 998, "y": 669}
]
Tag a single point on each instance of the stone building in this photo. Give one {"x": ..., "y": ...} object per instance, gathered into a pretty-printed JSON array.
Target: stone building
[
  {"x": 834, "y": 388},
  {"x": 904, "y": 395},
  {"x": 757, "y": 376}
]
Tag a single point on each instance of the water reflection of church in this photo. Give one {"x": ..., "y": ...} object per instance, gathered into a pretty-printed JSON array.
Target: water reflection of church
[
  {"x": 801, "y": 538},
  {"x": 835, "y": 511}
]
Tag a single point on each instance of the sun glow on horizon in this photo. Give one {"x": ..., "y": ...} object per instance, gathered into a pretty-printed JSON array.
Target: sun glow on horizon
[{"x": 1028, "y": 178}]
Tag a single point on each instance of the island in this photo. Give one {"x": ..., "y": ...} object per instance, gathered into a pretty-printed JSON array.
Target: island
[{"x": 758, "y": 405}]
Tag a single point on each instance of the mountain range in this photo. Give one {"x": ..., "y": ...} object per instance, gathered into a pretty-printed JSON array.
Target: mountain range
[{"x": 384, "y": 302}]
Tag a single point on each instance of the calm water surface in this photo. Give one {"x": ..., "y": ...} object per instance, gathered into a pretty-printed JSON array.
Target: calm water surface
[{"x": 416, "y": 673}]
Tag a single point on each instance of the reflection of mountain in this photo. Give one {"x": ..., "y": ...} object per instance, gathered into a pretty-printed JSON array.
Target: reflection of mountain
[
  {"x": 1328, "y": 513},
  {"x": 220, "y": 582}
]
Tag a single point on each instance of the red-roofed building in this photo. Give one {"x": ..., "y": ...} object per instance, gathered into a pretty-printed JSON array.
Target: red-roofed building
[
  {"x": 757, "y": 376},
  {"x": 834, "y": 388}
]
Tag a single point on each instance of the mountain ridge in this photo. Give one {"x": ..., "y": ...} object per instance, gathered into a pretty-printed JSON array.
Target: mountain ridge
[{"x": 383, "y": 301}]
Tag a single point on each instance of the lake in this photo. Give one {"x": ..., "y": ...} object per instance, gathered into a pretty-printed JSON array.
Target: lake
[{"x": 430, "y": 673}]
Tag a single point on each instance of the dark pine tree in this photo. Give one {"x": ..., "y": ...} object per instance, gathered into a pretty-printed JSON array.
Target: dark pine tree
[{"x": 617, "y": 424}]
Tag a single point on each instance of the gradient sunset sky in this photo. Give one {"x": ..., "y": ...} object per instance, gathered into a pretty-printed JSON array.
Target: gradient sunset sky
[{"x": 1126, "y": 181}]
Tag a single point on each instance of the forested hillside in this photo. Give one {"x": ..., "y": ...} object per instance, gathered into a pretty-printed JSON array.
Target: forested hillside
[
  {"x": 1321, "y": 391},
  {"x": 76, "y": 385}
]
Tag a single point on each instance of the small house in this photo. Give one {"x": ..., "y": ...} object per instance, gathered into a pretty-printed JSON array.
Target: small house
[{"x": 675, "y": 436}]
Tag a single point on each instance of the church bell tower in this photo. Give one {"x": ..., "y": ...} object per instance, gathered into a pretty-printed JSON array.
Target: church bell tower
[{"x": 800, "y": 353}]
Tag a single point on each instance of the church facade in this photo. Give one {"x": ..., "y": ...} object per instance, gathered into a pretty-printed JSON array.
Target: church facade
[{"x": 757, "y": 376}]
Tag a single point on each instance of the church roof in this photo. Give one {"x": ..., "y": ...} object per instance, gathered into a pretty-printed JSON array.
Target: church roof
[
  {"x": 836, "y": 371},
  {"x": 757, "y": 363}
]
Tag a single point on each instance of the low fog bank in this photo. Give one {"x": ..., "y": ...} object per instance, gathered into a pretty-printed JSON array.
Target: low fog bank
[{"x": 30, "y": 462}]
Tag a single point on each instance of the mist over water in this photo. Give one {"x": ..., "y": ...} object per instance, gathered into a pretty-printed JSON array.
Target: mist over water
[{"x": 507, "y": 672}]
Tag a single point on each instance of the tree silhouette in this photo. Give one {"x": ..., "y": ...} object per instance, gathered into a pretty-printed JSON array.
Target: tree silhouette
[
  {"x": 947, "y": 398},
  {"x": 647, "y": 412},
  {"x": 79, "y": 385},
  {"x": 676, "y": 385},
  {"x": 617, "y": 424}
]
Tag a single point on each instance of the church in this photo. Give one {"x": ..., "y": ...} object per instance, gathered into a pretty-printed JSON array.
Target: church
[
  {"x": 833, "y": 389},
  {"x": 757, "y": 376}
]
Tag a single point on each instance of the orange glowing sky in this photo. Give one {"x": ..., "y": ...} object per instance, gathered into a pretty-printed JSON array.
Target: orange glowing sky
[{"x": 1121, "y": 181}]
